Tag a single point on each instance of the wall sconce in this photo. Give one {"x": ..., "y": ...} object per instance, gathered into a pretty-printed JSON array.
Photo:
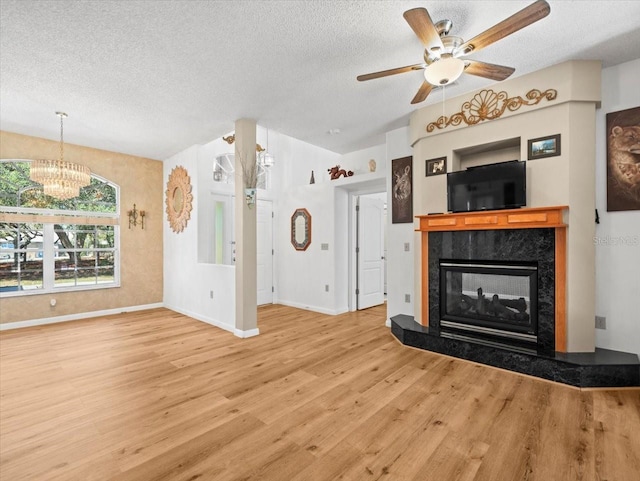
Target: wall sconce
[{"x": 134, "y": 215}]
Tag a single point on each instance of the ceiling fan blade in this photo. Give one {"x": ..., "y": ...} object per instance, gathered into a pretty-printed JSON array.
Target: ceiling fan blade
[
  {"x": 393, "y": 71},
  {"x": 423, "y": 93},
  {"x": 488, "y": 70},
  {"x": 421, "y": 23},
  {"x": 519, "y": 20}
]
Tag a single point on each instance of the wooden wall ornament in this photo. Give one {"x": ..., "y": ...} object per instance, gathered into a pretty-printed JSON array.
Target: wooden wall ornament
[
  {"x": 490, "y": 105},
  {"x": 179, "y": 199}
]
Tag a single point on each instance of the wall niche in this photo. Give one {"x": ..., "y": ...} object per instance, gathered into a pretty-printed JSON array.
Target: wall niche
[{"x": 489, "y": 153}]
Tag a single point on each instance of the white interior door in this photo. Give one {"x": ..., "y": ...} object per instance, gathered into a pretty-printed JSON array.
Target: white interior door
[
  {"x": 264, "y": 236},
  {"x": 370, "y": 252}
]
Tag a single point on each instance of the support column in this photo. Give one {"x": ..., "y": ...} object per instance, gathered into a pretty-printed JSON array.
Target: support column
[{"x": 246, "y": 322}]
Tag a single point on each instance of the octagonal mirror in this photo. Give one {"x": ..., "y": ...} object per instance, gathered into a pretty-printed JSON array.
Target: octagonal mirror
[{"x": 301, "y": 229}]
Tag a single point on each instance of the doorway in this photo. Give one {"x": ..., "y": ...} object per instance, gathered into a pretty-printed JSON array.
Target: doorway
[
  {"x": 264, "y": 236},
  {"x": 369, "y": 250}
]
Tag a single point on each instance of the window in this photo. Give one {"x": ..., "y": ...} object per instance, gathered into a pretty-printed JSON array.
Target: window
[
  {"x": 21, "y": 254},
  {"x": 51, "y": 245}
]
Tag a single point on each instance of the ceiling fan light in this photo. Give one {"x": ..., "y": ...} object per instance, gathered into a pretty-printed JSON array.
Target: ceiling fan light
[{"x": 444, "y": 71}]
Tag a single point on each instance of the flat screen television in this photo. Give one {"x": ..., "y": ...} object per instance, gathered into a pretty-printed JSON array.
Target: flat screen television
[{"x": 488, "y": 187}]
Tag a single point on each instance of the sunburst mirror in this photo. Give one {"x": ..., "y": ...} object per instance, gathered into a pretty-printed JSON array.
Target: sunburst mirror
[{"x": 178, "y": 199}]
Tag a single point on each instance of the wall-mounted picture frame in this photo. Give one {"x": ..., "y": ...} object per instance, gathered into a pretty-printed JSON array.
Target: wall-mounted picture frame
[
  {"x": 542, "y": 147},
  {"x": 437, "y": 166},
  {"x": 402, "y": 194},
  {"x": 623, "y": 160}
]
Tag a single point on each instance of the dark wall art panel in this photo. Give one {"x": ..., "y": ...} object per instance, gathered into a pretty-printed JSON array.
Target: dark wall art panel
[
  {"x": 623, "y": 160},
  {"x": 402, "y": 195}
]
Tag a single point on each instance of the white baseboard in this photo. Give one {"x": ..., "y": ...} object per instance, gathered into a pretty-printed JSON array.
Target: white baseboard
[
  {"x": 321, "y": 310},
  {"x": 244, "y": 334},
  {"x": 76, "y": 317},
  {"x": 387, "y": 323},
  {"x": 208, "y": 320}
]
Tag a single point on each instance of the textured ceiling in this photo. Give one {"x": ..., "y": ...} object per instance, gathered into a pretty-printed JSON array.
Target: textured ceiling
[{"x": 152, "y": 77}]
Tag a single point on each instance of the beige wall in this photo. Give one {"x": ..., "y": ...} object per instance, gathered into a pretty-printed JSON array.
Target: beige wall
[
  {"x": 140, "y": 182},
  {"x": 568, "y": 179}
]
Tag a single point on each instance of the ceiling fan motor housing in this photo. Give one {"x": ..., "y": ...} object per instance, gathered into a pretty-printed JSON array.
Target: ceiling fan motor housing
[{"x": 450, "y": 43}]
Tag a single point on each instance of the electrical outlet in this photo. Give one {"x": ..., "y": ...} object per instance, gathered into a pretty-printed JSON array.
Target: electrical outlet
[
  {"x": 601, "y": 322},
  {"x": 324, "y": 247},
  {"x": 326, "y": 288},
  {"x": 211, "y": 294},
  {"x": 407, "y": 298},
  {"x": 407, "y": 246}
]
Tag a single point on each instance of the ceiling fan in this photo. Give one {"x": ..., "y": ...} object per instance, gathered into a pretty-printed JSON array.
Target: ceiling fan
[{"x": 443, "y": 62}]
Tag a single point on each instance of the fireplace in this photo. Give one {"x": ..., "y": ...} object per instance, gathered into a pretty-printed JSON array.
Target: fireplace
[
  {"x": 490, "y": 300},
  {"x": 519, "y": 256}
]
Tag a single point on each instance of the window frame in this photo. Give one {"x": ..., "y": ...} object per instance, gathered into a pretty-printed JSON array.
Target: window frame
[{"x": 48, "y": 218}]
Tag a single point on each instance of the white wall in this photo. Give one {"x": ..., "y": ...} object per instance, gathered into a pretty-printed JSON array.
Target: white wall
[
  {"x": 188, "y": 283},
  {"x": 358, "y": 161},
  {"x": 618, "y": 234},
  {"x": 400, "y": 263},
  {"x": 301, "y": 276}
]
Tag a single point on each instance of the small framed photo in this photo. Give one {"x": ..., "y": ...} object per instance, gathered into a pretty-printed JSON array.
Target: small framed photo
[
  {"x": 544, "y": 147},
  {"x": 436, "y": 166}
]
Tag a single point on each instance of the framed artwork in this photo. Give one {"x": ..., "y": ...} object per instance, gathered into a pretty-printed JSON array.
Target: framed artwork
[
  {"x": 623, "y": 160},
  {"x": 544, "y": 147},
  {"x": 402, "y": 194},
  {"x": 436, "y": 166}
]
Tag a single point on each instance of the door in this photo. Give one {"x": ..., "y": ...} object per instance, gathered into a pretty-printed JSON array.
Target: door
[
  {"x": 370, "y": 252},
  {"x": 264, "y": 241}
]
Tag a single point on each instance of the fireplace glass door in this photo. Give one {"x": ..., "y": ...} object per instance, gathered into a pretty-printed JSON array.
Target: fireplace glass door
[{"x": 494, "y": 299}]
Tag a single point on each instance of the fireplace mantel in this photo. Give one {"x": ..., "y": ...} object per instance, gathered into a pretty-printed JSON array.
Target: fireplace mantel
[{"x": 527, "y": 218}]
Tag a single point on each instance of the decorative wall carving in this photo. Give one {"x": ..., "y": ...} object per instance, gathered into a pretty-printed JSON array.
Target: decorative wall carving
[
  {"x": 490, "y": 105},
  {"x": 178, "y": 199}
]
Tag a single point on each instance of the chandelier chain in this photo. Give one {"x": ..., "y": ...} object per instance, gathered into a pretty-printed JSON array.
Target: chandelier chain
[{"x": 61, "y": 137}]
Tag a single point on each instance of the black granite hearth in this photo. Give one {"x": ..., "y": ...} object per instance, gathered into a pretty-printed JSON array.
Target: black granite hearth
[{"x": 602, "y": 368}]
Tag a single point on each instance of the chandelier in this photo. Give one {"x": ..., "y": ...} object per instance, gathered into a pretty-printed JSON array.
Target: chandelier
[{"x": 60, "y": 178}]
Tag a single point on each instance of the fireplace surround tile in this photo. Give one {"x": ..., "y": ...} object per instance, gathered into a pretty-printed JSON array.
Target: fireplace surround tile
[{"x": 517, "y": 245}]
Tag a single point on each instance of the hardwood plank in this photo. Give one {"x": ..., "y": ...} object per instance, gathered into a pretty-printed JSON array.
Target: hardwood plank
[{"x": 157, "y": 395}]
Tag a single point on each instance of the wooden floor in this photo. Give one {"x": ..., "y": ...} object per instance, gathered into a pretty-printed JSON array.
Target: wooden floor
[{"x": 155, "y": 395}]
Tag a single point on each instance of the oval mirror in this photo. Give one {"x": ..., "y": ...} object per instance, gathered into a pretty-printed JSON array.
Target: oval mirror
[{"x": 178, "y": 200}]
